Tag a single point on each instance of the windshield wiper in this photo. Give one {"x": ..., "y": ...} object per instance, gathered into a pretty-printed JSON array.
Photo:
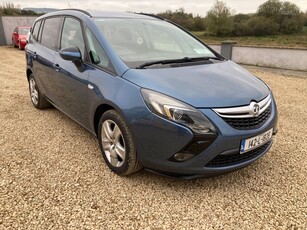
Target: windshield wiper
[{"x": 181, "y": 60}]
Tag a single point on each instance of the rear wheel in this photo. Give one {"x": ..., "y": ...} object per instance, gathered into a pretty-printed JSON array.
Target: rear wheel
[
  {"x": 38, "y": 100},
  {"x": 117, "y": 145}
]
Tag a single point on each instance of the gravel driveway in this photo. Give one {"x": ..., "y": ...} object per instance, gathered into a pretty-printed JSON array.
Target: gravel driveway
[{"x": 52, "y": 175}]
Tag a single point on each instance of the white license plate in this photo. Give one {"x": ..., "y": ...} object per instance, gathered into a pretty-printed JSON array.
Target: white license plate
[{"x": 254, "y": 142}]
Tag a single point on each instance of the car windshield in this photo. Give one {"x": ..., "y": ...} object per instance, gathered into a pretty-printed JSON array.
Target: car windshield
[
  {"x": 139, "y": 41},
  {"x": 23, "y": 31}
]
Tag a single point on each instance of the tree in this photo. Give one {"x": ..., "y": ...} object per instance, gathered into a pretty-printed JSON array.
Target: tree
[
  {"x": 12, "y": 10},
  {"x": 186, "y": 20},
  {"x": 286, "y": 14},
  {"x": 271, "y": 9},
  {"x": 219, "y": 21}
]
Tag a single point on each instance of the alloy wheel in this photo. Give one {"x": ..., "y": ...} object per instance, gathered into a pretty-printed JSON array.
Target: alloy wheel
[
  {"x": 33, "y": 91},
  {"x": 113, "y": 143}
]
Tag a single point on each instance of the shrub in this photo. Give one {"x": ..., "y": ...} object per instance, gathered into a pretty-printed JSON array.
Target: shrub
[
  {"x": 260, "y": 26},
  {"x": 286, "y": 14}
]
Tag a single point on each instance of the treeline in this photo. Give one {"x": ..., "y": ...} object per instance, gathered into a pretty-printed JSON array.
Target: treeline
[
  {"x": 9, "y": 9},
  {"x": 272, "y": 17},
  {"x": 184, "y": 19}
]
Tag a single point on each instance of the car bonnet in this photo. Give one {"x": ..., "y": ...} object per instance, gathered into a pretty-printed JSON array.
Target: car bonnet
[{"x": 222, "y": 84}]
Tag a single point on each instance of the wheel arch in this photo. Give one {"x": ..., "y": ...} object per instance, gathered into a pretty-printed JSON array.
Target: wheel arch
[
  {"x": 29, "y": 72},
  {"x": 104, "y": 107},
  {"x": 100, "y": 110}
]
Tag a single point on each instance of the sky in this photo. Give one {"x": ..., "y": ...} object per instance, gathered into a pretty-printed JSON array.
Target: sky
[{"x": 197, "y": 7}]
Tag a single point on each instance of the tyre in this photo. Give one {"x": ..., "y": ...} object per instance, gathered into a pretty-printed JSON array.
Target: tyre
[
  {"x": 116, "y": 144},
  {"x": 38, "y": 100}
]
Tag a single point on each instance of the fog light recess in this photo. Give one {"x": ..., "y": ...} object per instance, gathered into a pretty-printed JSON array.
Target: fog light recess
[{"x": 183, "y": 156}]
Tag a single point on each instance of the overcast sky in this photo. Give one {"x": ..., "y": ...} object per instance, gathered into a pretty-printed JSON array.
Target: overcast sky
[{"x": 200, "y": 7}]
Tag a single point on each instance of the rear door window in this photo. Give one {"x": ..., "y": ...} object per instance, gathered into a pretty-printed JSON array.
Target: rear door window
[{"x": 50, "y": 32}]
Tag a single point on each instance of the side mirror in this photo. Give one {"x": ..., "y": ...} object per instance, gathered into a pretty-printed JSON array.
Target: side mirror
[
  {"x": 15, "y": 33},
  {"x": 71, "y": 54}
]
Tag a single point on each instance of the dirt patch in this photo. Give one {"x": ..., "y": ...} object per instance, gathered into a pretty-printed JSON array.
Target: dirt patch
[{"x": 52, "y": 175}]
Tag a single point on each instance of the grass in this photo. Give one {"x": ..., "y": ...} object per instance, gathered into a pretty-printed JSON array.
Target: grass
[{"x": 285, "y": 41}]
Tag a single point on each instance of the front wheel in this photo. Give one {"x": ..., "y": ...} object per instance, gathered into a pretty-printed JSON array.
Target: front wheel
[
  {"x": 116, "y": 144},
  {"x": 14, "y": 44}
]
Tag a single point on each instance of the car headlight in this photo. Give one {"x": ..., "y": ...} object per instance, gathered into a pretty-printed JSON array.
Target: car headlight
[
  {"x": 23, "y": 40},
  {"x": 178, "y": 112}
]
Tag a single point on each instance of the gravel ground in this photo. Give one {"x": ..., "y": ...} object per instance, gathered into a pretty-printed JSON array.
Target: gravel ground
[{"x": 52, "y": 175}]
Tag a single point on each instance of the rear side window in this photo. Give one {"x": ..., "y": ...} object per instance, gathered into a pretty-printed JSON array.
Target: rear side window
[
  {"x": 51, "y": 32},
  {"x": 35, "y": 30}
]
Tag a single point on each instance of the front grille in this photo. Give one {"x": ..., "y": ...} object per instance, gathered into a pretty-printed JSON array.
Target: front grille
[
  {"x": 229, "y": 160},
  {"x": 251, "y": 122}
]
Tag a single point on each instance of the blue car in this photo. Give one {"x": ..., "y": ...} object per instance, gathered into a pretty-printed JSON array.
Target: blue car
[{"x": 155, "y": 96}]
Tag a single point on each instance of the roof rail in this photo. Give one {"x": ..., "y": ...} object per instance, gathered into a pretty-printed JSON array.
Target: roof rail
[
  {"x": 152, "y": 15},
  {"x": 82, "y": 11}
]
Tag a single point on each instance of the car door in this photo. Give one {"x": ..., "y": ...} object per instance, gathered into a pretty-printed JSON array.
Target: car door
[
  {"x": 42, "y": 49},
  {"x": 71, "y": 82}
]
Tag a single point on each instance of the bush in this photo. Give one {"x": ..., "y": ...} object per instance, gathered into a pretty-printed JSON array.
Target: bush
[
  {"x": 260, "y": 26},
  {"x": 240, "y": 29},
  {"x": 241, "y": 18},
  {"x": 291, "y": 25},
  {"x": 286, "y": 14},
  {"x": 198, "y": 24}
]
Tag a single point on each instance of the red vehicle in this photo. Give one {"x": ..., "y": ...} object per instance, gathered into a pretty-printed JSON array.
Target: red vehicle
[{"x": 19, "y": 36}]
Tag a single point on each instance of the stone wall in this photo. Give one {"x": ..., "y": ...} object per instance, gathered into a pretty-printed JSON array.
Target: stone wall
[{"x": 282, "y": 58}]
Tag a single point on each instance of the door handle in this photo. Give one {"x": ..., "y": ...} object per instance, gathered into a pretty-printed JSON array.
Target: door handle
[{"x": 56, "y": 67}]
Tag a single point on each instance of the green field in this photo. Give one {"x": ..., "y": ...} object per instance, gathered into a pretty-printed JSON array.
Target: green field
[{"x": 285, "y": 41}]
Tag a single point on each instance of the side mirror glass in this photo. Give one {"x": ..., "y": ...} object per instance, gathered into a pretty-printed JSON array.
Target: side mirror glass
[{"x": 71, "y": 54}]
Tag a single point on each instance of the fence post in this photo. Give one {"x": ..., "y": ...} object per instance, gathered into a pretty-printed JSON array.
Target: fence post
[{"x": 226, "y": 48}]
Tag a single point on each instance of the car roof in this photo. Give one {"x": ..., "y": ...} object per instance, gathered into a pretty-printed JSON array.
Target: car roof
[
  {"x": 109, "y": 14},
  {"x": 101, "y": 14}
]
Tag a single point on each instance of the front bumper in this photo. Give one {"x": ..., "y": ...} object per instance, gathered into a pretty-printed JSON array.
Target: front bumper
[
  {"x": 23, "y": 44},
  {"x": 158, "y": 140}
]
